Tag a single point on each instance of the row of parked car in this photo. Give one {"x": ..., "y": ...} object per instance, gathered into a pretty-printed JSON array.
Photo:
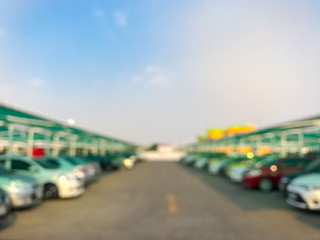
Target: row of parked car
[
  {"x": 298, "y": 177},
  {"x": 25, "y": 181}
]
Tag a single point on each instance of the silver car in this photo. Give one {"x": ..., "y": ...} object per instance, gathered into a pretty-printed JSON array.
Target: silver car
[
  {"x": 23, "y": 191},
  {"x": 4, "y": 204}
]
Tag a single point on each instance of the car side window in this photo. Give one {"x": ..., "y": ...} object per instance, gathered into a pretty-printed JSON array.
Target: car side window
[
  {"x": 290, "y": 162},
  {"x": 20, "y": 165},
  {"x": 303, "y": 161},
  {"x": 53, "y": 162}
]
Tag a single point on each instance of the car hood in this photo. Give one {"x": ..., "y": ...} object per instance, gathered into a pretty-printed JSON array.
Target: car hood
[
  {"x": 219, "y": 163},
  {"x": 49, "y": 173},
  {"x": 240, "y": 168},
  {"x": 201, "y": 160},
  {"x": 311, "y": 179}
]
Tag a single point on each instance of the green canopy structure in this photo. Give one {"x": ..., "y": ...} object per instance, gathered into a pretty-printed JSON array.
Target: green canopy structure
[
  {"x": 20, "y": 126},
  {"x": 298, "y": 135}
]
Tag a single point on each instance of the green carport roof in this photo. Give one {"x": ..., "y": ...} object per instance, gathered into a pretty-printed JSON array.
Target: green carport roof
[{"x": 12, "y": 115}]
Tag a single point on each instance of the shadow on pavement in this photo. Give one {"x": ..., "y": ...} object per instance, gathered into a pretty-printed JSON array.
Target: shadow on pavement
[
  {"x": 310, "y": 218},
  {"x": 8, "y": 220},
  {"x": 253, "y": 199}
]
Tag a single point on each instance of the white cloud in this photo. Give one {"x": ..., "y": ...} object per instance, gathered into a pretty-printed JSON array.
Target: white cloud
[
  {"x": 37, "y": 82},
  {"x": 120, "y": 18},
  {"x": 154, "y": 75},
  {"x": 137, "y": 79},
  {"x": 152, "y": 69},
  {"x": 99, "y": 13},
  {"x": 159, "y": 79}
]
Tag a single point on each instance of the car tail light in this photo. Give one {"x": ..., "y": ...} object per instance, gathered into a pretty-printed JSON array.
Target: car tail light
[{"x": 81, "y": 169}]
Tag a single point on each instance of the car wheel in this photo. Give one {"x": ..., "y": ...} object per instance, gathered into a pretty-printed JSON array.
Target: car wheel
[
  {"x": 265, "y": 185},
  {"x": 50, "y": 192}
]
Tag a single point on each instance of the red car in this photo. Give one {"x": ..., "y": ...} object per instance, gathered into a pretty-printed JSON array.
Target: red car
[{"x": 266, "y": 174}]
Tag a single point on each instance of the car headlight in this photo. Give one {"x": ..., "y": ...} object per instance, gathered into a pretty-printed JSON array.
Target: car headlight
[
  {"x": 66, "y": 177},
  {"x": 254, "y": 173},
  {"x": 18, "y": 185},
  {"x": 306, "y": 187},
  {"x": 63, "y": 178},
  {"x": 313, "y": 187},
  {"x": 127, "y": 162}
]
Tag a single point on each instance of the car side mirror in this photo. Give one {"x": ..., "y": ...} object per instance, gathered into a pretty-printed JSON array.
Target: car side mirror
[{"x": 34, "y": 169}]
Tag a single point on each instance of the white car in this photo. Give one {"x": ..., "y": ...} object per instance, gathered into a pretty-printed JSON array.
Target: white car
[
  {"x": 236, "y": 172},
  {"x": 200, "y": 163},
  {"x": 214, "y": 167},
  {"x": 304, "y": 192},
  {"x": 189, "y": 159}
]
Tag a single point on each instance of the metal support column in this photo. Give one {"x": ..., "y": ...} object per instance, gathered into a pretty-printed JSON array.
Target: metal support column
[{"x": 30, "y": 142}]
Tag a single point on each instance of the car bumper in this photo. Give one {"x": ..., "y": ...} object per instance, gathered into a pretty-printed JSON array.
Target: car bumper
[
  {"x": 236, "y": 177},
  {"x": 26, "y": 199},
  {"x": 301, "y": 198},
  {"x": 251, "y": 182},
  {"x": 200, "y": 165},
  {"x": 92, "y": 176},
  {"x": 214, "y": 169},
  {"x": 5, "y": 209},
  {"x": 71, "y": 189}
]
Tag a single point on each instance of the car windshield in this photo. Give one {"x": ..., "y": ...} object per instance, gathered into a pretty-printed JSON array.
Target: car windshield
[
  {"x": 268, "y": 161},
  {"x": 312, "y": 165},
  {"x": 47, "y": 165},
  {"x": 75, "y": 160}
]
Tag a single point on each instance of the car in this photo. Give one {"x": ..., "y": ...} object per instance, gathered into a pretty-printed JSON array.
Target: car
[
  {"x": 78, "y": 166},
  {"x": 93, "y": 168},
  {"x": 304, "y": 192},
  {"x": 189, "y": 159},
  {"x": 56, "y": 183},
  {"x": 98, "y": 163},
  {"x": 203, "y": 160},
  {"x": 116, "y": 160},
  {"x": 310, "y": 168},
  {"x": 266, "y": 174},
  {"x": 129, "y": 162},
  {"x": 221, "y": 167},
  {"x": 5, "y": 204},
  {"x": 214, "y": 167},
  {"x": 23, "y": 191},
  {"x": 201, "y": 163},
  {"x": 236, "y": 170}
]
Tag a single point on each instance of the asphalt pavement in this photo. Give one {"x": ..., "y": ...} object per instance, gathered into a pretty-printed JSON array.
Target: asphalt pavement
[{"x": 165, "y": 200}]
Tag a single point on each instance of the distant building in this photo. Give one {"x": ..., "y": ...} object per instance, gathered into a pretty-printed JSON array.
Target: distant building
[{"x": 164, "y": 148}]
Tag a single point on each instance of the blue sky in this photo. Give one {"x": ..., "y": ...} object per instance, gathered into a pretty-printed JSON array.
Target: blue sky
[{"x": 161, "y": 71}]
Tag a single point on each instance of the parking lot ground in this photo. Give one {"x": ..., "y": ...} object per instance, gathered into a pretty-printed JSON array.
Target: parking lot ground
[{"x": 165, "y": 200}]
